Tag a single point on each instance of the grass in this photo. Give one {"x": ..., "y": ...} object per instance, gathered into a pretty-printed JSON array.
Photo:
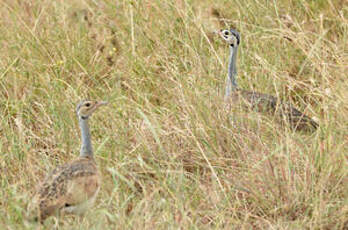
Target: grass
[{"x": 170, "y": 155}]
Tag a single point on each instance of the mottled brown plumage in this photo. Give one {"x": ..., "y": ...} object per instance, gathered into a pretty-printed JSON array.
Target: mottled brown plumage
[
  {"x": 271, "y": 105},
  {"x": 72, "y": 187},
  {"x": 69, "y": 187},
  {"x": 259, "y": 101}
]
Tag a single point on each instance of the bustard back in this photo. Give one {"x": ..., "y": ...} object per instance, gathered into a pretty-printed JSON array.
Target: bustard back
[
  {"x": 72, "y": 187},
  {"x": 259, "y": 101}
]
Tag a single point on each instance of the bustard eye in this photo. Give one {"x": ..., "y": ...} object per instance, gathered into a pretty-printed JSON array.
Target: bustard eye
[
  {"x": 226, "y": 32},
  {"x": 88, "y": 104}
]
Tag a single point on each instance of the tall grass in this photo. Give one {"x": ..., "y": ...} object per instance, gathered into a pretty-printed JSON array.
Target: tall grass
[{"x": 170, "y": 155}]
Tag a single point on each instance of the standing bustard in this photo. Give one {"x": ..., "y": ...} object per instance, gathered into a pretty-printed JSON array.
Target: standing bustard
[
  {"x": 72, "y": 187},
  {"x": 260, "y": 102}
]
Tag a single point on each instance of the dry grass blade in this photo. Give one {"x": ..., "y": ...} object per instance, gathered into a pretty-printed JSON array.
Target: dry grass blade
[{"x": 169, "y": 155}]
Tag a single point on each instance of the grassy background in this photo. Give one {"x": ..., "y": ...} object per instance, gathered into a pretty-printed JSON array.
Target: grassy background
[{"x": 170, "y": 155}]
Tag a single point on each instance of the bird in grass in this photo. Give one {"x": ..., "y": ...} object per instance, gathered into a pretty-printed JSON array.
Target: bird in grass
[
  {"x": 72, "y": 187},
  {"x": 259, "y": 101}
]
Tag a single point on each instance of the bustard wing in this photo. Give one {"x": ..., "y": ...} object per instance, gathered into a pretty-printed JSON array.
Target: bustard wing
[
  {"x": 270, "y": 104},
  {"x": 68, "y": 185}
]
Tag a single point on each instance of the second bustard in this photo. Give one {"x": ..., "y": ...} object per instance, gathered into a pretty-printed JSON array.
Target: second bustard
[
  {"x": 260, "y": 101},
  {"x": 72, "y": 187}
]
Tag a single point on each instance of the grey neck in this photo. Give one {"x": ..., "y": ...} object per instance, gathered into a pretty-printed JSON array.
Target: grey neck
[
  {"x": 231, "y": 83},
  {"x": 86, "y": 147}
]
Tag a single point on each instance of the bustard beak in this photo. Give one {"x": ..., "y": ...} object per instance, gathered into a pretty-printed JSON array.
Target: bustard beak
[
  {"x": 100, "y": 103},
  {"x": 219, "y": 33}
]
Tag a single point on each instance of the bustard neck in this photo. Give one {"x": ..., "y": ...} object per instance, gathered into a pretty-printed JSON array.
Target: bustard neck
[
  {"x": 86, "y": 146},
  {"x": 231, "y": 82}
]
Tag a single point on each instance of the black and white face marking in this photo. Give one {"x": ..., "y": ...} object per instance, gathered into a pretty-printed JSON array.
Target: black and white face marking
[{"x": 231, "y": 36}]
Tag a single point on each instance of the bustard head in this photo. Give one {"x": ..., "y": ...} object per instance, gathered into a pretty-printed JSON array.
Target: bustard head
[
  {"x": 231, "y": 36},
  {"x": 85, "y": 108}
]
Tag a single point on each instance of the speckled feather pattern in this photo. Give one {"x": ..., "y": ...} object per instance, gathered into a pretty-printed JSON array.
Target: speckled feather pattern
[
  {"x": 68, "y": 185},
  {"x": 270, "y": 104}
]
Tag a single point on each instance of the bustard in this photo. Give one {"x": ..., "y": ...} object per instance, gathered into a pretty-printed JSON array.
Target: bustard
[
  {"x": 259, "y": 101},
  {"x": 72, "y": 187}
]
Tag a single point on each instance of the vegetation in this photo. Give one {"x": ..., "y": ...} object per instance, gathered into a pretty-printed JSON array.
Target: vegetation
[{"x": 171, "y": 155}]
